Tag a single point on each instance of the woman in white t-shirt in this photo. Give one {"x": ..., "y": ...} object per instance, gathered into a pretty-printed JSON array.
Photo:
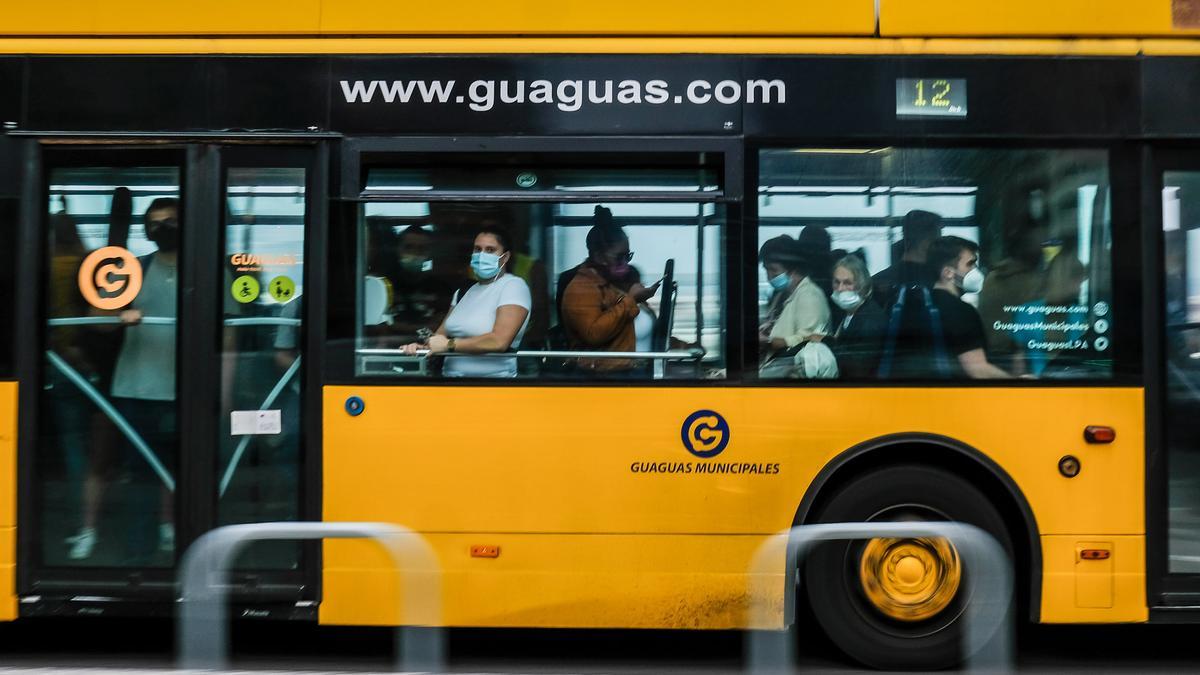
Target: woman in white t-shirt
[{"x": 489, "y": 317}]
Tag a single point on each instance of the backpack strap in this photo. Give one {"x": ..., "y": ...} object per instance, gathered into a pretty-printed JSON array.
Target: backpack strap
[
  {"x": 940, "y": 353},
  {"x": 893, "y": 333}
]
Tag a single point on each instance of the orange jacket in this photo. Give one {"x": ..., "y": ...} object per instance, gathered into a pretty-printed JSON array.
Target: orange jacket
[{"x": 598, "y": 316}]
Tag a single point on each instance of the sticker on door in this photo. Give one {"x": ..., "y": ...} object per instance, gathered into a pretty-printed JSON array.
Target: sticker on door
[{"x": 255, "y": 422}]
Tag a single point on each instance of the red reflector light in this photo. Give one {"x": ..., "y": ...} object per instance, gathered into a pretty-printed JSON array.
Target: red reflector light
[
  {"x": 1094, "y": 434},
  {"x": 1094, "y": 554}
]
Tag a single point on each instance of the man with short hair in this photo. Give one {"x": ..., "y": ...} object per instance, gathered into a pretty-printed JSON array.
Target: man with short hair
[
  {"x": 954, "y": 268},
  {"x": 920, "y": 229}
]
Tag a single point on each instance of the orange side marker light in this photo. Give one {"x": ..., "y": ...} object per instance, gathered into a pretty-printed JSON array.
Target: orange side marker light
[
  {"x": 1094, "y": 554},
  {"x": 1099, "y": 434},
  {"x": 485, "y": 551}
]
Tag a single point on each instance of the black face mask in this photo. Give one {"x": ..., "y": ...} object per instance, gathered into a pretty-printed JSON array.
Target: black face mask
[{"x": 165, "y": 236}]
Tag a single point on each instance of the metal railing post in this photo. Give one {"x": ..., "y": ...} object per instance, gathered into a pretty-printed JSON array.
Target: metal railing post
[
  {"x": 203, "y": 625},
  {"x": 989, "y": 572}
]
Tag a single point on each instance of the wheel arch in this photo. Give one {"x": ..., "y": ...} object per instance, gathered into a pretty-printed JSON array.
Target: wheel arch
[{"x": 954, "y": 455}]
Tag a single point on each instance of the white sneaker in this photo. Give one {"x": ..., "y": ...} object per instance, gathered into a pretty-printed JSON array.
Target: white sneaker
[
  {"x": 82, "y": 544},
  {"x": 166, "y": 537}
]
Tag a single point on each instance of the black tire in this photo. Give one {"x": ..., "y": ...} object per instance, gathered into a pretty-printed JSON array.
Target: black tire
[{"x": 831, "y": 579}]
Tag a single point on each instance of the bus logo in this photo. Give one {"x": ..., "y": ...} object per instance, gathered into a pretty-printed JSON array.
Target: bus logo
[
  {"x": 110, "y": 277},
  {"x": 705, "y": 433}
]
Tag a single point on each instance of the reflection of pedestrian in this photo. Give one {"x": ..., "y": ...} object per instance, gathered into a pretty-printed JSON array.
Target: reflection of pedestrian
[
  {"x": 1064, "y": 279},
  {"x": 1015, "y": 281}
]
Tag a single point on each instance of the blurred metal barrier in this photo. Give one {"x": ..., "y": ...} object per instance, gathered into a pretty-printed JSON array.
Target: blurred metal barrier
[
  {"x": 988, "y": 645},
  {"x": 203, "y": 625}
]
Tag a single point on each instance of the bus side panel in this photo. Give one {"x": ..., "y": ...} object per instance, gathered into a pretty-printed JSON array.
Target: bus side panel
[
  {"x": 1081, "y": 590},
  {"x": 8, "y": 501},
  {"x": 606, "y": 473},
  {"x": 567, "y": 581}
]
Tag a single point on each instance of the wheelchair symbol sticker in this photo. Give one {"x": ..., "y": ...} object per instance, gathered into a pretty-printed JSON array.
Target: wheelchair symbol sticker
[
  {"x": 245, "y": 289},
  {"x": 705, "y": 433},
  {"x": 110, "y": 277}
]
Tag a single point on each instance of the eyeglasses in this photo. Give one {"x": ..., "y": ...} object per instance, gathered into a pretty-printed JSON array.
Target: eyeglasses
[{"x": 628, "y": 257}]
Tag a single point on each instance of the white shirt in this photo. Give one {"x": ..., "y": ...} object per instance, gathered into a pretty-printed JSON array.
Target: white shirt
[
  {"x": 805, "y": 313},
  {"x": 643, "y": 329},
  {"x": 474, "y": 314}
]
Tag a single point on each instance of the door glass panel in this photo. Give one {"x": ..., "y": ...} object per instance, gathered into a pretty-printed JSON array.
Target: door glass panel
[
  {"x": 258, "y": 466},
  {"x": 108, "y": 447},
  {"x": 1181, "y": 234}
]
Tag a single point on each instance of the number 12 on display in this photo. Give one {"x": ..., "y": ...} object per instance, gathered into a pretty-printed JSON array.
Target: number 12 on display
[{"x": 931, "y": 97}]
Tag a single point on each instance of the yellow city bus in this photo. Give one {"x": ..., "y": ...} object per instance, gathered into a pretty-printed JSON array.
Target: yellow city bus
[{"x": 741, "y": 253}]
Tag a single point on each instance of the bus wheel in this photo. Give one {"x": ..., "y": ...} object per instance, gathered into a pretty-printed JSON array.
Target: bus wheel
[{"x": 898, "y": 603}]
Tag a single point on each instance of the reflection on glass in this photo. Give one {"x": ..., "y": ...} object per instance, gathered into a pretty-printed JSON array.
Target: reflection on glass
[
  {"x": 258, "y": 466},
  {"x": 1181, "y": 234},
  {"x": 109, "y": 442},
  {"x": 905, "y": 263},
  {"x": 539, "y": 277}
]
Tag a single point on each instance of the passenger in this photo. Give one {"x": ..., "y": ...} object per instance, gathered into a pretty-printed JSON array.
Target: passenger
[
  {"x": 774, "y": 248},
  {"x": 489, "y": 317},
  {"x": 419, "y": 295},
  {"x": 804, "y": 311},
  {"x": 857, "y": 340},
  {"x": 70, "y": 413},
  {"x": 143, "y": 386},
  {"x": 920, "y": 229},
  {"x": 600, "y": 302},
  {"x": 956, "y": 262},
  {"x": 816, "y": 246}
]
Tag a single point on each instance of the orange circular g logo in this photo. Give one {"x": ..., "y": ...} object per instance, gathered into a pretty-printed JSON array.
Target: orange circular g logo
[{"x": 110, "y": 277}]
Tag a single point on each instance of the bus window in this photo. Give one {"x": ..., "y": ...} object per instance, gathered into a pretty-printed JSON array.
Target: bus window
[
  {"x": 916, "y": 264},
  {"x": 626, "y": 289}
]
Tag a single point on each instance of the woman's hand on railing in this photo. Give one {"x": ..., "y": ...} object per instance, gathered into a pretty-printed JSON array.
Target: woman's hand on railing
[
  {"x": 438, "y": 344},
  {"x": 411, "y": 348}
]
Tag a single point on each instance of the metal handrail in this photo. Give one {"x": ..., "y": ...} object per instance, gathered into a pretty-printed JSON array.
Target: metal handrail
[
  {"x": 244, "y": 442},
  {"x": 988, "y": 615},
  {"x": 114, "y": 415},
  {"x": 168, "y": 321},
  {"x": 204, "y": 569},
  {"x": 673, "y": 355}
]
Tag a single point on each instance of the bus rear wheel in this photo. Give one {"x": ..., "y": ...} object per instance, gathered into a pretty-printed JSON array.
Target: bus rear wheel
[{"x": 898, "y": 603}]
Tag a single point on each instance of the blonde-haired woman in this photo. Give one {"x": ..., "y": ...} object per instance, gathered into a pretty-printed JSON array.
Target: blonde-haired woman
[{"x": 859, "y": 325}]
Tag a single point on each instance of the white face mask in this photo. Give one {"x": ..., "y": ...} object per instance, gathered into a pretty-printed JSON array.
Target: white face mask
[
  {"x": 847, "y": 300},
  {"x": 972, "y": 282}
]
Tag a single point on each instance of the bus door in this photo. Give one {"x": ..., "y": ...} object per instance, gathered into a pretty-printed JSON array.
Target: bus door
[
  {"x": 1175, "y": 469},
  {"x": 170, "y": 368}
]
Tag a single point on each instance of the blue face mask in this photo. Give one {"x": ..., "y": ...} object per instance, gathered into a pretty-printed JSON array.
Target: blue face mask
[
  {"x": 779, "y": 281},
  {"x": 485, "y": 265}
]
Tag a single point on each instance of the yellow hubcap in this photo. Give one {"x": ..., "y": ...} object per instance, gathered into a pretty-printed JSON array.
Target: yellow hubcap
[{"x": 910, "y": 579}]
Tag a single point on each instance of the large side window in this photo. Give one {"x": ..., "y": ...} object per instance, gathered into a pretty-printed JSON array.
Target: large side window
[
  {"x": 917, "y": 264},
  {"x": 561, "y": 272}
]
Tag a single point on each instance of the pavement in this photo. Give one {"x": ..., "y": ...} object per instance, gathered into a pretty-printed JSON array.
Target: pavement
[{"x": 92, "y": 647}]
